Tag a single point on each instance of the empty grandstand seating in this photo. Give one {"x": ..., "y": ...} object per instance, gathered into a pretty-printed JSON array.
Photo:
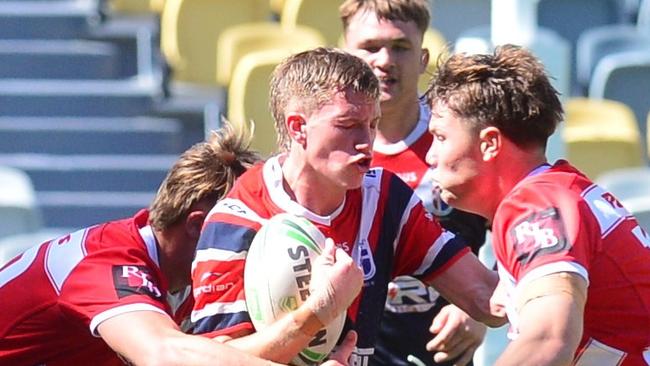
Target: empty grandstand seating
[
  {"x": 79, "y": 110},
  {"x": 624, "y": 77},
  {"x": 238, "y": 41},
  {"x": 598, "y": 42},
  {"x": 569, "y": 18},
  {"x": 189, "y": 32},
  {"x": 248, "y": 95},
  {"x": 321, "y": 15},
  {"x": 601, "y": 135}
]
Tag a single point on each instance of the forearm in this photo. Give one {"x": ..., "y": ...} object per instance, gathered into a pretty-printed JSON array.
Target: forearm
[
  {"x": 186, "y": 350},
  {"x": 536, "y": 351},
  {"x": 282, "y": 340},
  {"x": 469, "y": 285}
]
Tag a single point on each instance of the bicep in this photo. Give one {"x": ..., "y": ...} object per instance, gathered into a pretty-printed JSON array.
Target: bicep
[{"x": 552, "y": 307}]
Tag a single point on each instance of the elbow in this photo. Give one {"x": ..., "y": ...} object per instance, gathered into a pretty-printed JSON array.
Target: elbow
[{"x": 482, "y": 310}]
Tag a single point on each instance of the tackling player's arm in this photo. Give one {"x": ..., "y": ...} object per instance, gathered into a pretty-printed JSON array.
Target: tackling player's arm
[
  {"x": 468, "y": 284},
  {"x": 550, "y": 310},
  {"x": 152, "y": 338}
]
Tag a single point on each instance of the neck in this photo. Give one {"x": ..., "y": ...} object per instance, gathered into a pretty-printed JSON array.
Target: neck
[
  {"x": 309, "y": 188},
  {"x": 508, "y": 173},
  {"x": 175, "y": 265},
  {"x": 397, "y": 122}
]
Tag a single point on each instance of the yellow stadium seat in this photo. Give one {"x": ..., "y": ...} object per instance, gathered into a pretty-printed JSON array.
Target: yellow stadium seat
[
  {"x": 238, "y": 41},
  {"x": 189, "y": 31},
  {"x": 601, "y": 135},
  {"x": 129, "y": 6},
  {"x": 157, "y": 6},
  {"x": 435, "y": 42},
  {"x": 276, "y": 6},
  {"x": 248, "y": 96},
  {"x": 319, "y": 14}
]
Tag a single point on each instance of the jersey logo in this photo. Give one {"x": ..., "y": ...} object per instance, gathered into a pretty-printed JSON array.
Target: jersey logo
[
  {"x": 365, "y": 260},
  {"x": 134, "y": 280},
  {"x": 539, "y": 234},
  {"x": 438, "y": 206}
]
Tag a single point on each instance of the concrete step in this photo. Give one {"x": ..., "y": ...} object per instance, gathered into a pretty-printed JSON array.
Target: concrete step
[
  {"x": 60, "y": 59},
  {"x": 131, "y": 97},
  {"x": 80, "y": 209},
  {"x": 62, "y": 19},
  {"x": 91, "y": 135},
  {"x": 110, "y": 173}
]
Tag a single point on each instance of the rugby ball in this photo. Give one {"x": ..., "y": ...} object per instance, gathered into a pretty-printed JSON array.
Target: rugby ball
[{"x": 276, "y": 279}]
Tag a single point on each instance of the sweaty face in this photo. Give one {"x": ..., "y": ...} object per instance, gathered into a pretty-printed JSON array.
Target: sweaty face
[
  {"x": 456, "y": 158},
  {"x": 339, "y": 138},
  {"x": 393, "y": 49}
]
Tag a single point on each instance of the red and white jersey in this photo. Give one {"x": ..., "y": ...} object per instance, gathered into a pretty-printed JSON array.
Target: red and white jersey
[
  {"x": 382, "y": 225},
  {"x": 406, "y": 158},
  {"x": 557, "y": 220},
  {"x": 55, "y": 294}
]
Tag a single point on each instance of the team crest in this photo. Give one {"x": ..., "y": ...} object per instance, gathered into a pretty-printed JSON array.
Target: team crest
[
  {"x": 365, "y": 260},
  {"x": 539, "y": 234},
  {"x": 438, "y": 206}
]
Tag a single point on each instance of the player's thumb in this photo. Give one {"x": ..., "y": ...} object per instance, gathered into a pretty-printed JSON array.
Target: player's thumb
[{"x": 344, "y": 350}]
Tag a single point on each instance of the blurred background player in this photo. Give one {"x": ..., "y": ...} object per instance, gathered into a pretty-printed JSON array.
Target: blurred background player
[
  {"x": 88, "y": 296},
  {"x": 326, "y": 107},
  {"x": 388, "y": 35},
  {"x": 573, "y": 262}
]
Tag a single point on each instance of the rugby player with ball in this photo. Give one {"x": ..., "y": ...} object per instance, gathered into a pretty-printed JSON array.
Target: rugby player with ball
[{"x": 325, "y": 104}]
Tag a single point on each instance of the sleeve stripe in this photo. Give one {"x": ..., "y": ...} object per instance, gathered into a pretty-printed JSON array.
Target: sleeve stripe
[
  {"x": 218, "y": 308},
  {"x": 119, "y": 310},
  {"x": 413, "y": 202},
  {"x": 435, "y": 249},
  {"x": 221, "y": 255},
  {"x": 555, "y": 267}
]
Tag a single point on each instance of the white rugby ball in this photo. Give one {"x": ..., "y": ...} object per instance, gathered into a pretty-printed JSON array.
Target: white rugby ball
[{"x": 276, "y": 279}]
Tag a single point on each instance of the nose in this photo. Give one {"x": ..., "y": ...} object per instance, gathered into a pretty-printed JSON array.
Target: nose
[
  {"x": 383, "y": 58},
  {"x": 365, "y": 141},
  {"x": 431, "y": 157}
]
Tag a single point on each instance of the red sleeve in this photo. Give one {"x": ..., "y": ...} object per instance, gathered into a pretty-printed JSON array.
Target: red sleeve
[{"x": 543, "y": 225}]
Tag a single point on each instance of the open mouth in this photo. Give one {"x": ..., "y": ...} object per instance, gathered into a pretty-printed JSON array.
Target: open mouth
[
  {"x": 364, "y": 163},
  {"x": 387, "y": 80}
]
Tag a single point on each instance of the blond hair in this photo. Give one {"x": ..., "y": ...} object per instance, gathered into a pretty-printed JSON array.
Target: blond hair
[
  {"x": 311, "y": 78},
  {"x": 416, "y": 11},
  {"x": 508, "y": 89},
  {"x": 207, "y": 170}
]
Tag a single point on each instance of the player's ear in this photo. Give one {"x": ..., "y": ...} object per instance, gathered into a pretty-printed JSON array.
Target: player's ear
[
  {"x": 490, "y": 140},
  {"x": 296, "y": 125},
  {"x": 424, "y": 60},
  {"x": 194, "y": 223}
]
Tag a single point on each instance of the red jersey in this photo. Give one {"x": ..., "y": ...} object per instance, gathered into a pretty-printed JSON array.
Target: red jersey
[
  {"x": 557, "y": 220},
  {"x": 382, "y": 225},
  {"x": 55, "y": 294}
]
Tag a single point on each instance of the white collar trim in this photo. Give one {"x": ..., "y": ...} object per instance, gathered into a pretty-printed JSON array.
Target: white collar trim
[
  {"x": 420, "y": 129},
  {"x": 272, "y": 173}
]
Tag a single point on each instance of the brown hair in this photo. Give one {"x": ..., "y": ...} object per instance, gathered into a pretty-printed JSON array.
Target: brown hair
[
  {"x": 508, "y": 89},
  {"x": 207, "y": 170},
  {"x": 311, "y": 78},
  {"x": 416, "y": 11}
]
